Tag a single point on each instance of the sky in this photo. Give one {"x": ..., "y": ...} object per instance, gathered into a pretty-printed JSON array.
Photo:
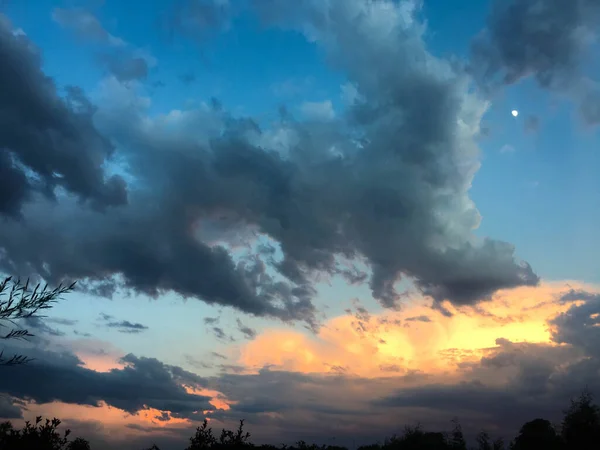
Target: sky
[{"x": 320, "y": 217}]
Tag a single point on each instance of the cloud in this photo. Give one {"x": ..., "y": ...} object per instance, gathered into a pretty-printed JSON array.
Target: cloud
[
  {"x": 122, "y": 61},
  {"x": 85, "y": 24},
  {"x": 579, "y": 326},
  {"x": 122, "y": 326},
  {"x": 220, "y": 334},
  {"x": 39, "y": 325},
  {"x": 9, "y": 409},
  {"x": 198, "y": 19},
  {"x": 142, "y": 383},
  {"x": 197, "y": 363},
  {"x": 125, "y": 67},
  {"x": 434, "y": 343},
  {"x": 248, "y": 332},
  {"x": 387, "y": 184},
  {"x": 418, "y": 319},
  {"x": 491, "y": 372},
  {"x": 544, "y": 39},
  {"x": 320, "y": 111},
  {"x": 47, "y": 142}
]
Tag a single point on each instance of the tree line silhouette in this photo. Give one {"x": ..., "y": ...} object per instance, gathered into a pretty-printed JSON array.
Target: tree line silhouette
[{"x": 579, "y": 430}]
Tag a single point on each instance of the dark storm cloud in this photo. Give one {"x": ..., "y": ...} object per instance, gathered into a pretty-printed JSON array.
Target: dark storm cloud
[
  {"x": 46, "y": 141},
  {"x": 545, "y": 39},
  {"x": 144, "y": 381},
  {"x": 394, "y": 194},
  {"x": 9, "y": 409}
]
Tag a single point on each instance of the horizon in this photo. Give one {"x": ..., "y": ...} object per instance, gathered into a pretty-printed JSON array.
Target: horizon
[{"x": 329, "y": 218}]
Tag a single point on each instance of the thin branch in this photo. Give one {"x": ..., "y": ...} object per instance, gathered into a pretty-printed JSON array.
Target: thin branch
[{"x": 18, "y": 301}]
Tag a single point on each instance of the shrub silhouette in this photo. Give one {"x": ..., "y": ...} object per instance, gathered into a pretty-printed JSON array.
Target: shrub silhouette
[
  {"x": 41, "y": 436},
  {"x": 580, "y": 430}
]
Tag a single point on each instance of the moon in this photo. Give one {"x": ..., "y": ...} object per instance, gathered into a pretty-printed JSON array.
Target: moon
[{"x": 515, "y": 113}]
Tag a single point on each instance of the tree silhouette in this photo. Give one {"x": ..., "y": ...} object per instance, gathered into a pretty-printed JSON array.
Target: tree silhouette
[
  {"x": 581, "y": 424},
  {"x": 18, "y": 301},
  {"x": 456, "y": 439},
  {"x": 537, "y": 434},
  {"x": 484, "y": 442}
]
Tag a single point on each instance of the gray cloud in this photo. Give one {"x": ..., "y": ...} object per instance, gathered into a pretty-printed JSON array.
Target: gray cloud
[
  {"x": 418, "y": 319},
  {"x": 394, "y": 194},
  {"x": 125, "y": 66},
  {"x": 248, "y": 332},
  {"x": 47, "y": 142},
  {"x": 218, "y": 355},
  {"x": 9, "y": 409},
  {"x": 545, "y": 39},
  {"x": 197, "y": 363},
  {"x": 220, "y": 334},
  {"x": 38, "y": 325},
  {"x": 122, "y": 326},
  {"x": 144, "y": 381},
  {"x": 580, "y": 324}
]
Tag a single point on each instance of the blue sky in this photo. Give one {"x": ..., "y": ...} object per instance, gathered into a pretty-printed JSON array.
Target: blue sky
[{"x": 537, "y": 189}]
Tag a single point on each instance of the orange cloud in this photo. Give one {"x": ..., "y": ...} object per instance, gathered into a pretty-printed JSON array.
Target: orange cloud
[
  {"x": 417, "y": 338},
  {"x": 218, "y": 400},
  {"x": 97, "y": 355},
  {"x": 111, "y": 422}
]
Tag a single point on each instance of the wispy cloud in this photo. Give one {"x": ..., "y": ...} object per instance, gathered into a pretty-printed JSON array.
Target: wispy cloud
[{"x": 122, "y": 326}]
